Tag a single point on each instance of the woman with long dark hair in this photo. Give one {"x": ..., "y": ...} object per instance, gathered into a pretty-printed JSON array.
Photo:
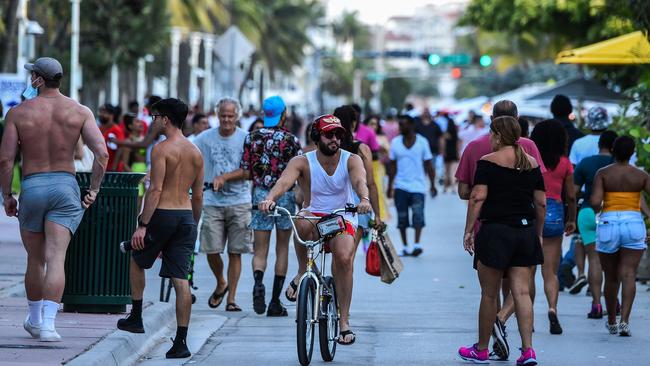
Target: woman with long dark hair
[
  {"x": 552, "y": 141},
  {"x": 621, "y": 231},
  {"x": 451, "y": 145},
  {"x": 508, "y": 198}
]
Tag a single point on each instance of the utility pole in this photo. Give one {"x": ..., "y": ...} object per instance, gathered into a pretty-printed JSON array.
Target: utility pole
[
  {"x": 173, "y": 72},
  {"x": 21, "y": 15},
  {"x": 195, "y": 48},
  {"x": 75, "y": 83},
  {"x": 208, "y": 47}
]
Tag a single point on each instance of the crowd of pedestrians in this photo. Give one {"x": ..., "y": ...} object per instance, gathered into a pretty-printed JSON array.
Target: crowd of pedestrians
[
  {"x": 523, "y": 199},
  {"x": 214, "y": 177}
]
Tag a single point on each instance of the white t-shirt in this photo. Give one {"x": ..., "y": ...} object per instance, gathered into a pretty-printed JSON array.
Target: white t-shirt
[
  {"x": 584, "y": 147},
  {"x": 410, "y": 175},
  {"x": 470, "y": 134}
]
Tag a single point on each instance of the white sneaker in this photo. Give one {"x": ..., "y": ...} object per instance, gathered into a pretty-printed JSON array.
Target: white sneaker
[
  {"x": 406, "y": 251},
  {"x": 49, "y": 335},
  {"x": 33, "y": 330}
]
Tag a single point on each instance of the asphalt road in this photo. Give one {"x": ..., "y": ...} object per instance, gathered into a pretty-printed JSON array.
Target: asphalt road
[{"x": 421, "y": 319}]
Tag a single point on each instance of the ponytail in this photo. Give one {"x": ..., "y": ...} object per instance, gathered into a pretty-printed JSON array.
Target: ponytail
[{"x": 522, "y": 163}]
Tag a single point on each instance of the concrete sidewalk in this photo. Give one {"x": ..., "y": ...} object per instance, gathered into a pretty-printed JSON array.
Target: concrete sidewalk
[{"x": 85, "y": 336}]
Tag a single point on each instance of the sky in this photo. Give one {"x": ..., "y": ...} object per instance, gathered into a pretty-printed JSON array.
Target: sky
[{"x": 378, "y": 11}]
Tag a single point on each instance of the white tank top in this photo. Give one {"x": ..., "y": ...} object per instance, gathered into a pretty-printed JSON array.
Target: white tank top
[{"x": 330, "y": 192}]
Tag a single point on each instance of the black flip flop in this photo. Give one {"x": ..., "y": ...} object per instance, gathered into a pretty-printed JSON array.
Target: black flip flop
[
  {"x": 232, "y": 307},
  {"x": 346, "y": 333},
  {"x": 218, "y": 297},
  {"x": 295, "y": 291}
]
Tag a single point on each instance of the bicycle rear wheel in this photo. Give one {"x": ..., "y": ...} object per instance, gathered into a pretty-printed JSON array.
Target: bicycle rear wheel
[
  {"x": 304, "y": 317},
  {"x": 328, "y": 323}
]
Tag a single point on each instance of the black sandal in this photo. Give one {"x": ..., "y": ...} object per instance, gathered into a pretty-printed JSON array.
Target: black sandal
[
  {"x": 295, "y": 291},
  {"x": 232, "y": 307},
  {"x": 346, "y": 333},
  {"x": 218, "y": 297}
]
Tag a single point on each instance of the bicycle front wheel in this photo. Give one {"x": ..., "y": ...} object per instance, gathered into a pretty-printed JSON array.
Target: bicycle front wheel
[
  {"x": 328, "y": 323},
  {"x": 304, "y": 317}
]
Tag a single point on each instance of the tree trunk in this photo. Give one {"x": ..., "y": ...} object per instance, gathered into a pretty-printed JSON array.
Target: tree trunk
[
  {"x": 249, "y": 75},
  {"x": 9, "y": 38}
]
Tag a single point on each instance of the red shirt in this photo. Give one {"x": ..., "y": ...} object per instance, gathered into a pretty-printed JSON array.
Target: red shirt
[
  {"x": 554, "y": 179},
  {"x": 480, "y": 147},
  {"x": 114, "y": 132}
]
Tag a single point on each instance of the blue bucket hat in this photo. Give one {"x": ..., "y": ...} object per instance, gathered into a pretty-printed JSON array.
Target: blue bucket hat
[{"x": 273, "y": 108}]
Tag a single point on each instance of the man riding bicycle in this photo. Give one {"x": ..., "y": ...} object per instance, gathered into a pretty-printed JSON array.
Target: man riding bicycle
[{"x": 328, "y": 177}]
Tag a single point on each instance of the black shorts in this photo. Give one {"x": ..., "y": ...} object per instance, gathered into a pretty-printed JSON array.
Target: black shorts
[
  {"x": 172, "y": 232},
  {"x": 503, "y": 246}
]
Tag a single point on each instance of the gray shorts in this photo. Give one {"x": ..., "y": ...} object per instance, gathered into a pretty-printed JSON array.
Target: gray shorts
[
  {"x": 50, "y": 196},
  {"x": 226, "y": 225}
]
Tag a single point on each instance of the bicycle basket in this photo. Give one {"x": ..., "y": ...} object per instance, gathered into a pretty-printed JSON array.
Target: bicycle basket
[{"x": 331, "y": 225}]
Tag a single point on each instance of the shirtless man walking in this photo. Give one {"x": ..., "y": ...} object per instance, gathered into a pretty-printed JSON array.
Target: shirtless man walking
[
  {"x": 168, "y": 220},
  {"x": 328, "y": 178},
  {"x": 47, "y": 126}
]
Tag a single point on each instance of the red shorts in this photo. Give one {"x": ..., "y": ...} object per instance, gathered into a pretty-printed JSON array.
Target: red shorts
[{"x": 349, "y": 228}]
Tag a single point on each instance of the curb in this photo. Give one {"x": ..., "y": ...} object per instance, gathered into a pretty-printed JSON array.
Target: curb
[
  {"x": 15, "y": 290},
  {"x": 124, "y": 348}
]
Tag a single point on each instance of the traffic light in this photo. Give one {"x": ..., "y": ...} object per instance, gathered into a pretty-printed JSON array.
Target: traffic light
[
  {"x": 434, "y": 59},
  {"x": 456, "y": 73},
  {"x": 485, "y": 60}
]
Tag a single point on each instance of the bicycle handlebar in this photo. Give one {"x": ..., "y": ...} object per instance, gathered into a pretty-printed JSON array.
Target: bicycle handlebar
[{"x": 279, "y": 211}]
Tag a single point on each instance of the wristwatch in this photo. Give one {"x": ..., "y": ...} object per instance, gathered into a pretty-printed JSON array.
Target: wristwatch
[{"x": 141, "y": 224}]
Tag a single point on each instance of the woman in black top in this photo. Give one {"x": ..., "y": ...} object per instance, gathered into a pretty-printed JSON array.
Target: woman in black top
[
  {"x": 450, "y": 148},
  {"x": 509, "y": 200}
]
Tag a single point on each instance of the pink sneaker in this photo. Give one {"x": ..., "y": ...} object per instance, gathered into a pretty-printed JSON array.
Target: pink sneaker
[
  {"x": 527, "y": 358},
  {"x": 473, "y": 354}
]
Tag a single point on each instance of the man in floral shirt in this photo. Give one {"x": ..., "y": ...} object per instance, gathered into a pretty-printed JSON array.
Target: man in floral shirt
[{"x": 267, "y": 152}]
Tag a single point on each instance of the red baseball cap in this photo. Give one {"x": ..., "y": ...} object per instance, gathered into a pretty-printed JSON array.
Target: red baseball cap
[{"x": 327, "y": 123}]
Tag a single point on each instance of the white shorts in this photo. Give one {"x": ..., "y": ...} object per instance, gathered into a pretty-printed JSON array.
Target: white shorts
[{"x": 620, "y": 229}]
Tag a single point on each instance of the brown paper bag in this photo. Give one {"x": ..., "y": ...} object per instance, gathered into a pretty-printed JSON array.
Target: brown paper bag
[{"x": 391, "y": 264}]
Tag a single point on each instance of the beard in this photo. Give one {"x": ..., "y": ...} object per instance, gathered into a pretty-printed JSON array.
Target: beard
[{"x": 326, "y": 149}]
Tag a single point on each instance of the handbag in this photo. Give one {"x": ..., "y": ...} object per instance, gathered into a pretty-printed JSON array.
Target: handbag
[
  {"x": 373, "y": 258},
  {"x": 391, "y": 264}
]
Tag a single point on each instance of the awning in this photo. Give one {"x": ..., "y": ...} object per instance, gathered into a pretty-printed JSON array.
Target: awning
[
  {"x": 580, "y": 89},
  {"x": 632, "y": 48}
]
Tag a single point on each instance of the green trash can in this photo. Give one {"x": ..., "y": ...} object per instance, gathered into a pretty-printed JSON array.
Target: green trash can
[{"x": 96, "y": 271}]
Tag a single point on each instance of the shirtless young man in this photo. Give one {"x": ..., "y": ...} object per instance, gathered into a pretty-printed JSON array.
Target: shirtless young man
[
  {"x": 47, "y": 128},
  {"x": 168, "y": 220},
  {"x": 328, "y": 177}
]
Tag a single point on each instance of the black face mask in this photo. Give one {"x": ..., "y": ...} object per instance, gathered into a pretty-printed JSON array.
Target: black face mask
[
  {"x": 326, "y": 150},
  {"x": 103, "y": 120}
]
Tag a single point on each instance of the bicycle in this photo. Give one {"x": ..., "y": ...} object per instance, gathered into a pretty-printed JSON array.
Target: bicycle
[{"x": 316, "y": 301}]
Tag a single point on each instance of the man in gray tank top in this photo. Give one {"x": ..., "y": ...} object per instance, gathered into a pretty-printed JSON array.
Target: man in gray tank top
[{"x": 322, "y": 177}]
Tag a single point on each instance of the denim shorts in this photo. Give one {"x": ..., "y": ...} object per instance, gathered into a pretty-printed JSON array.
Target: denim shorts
[
  {"x": 262, "y": 222},
  {"x": 620, "y": 229},
  {"x": 554, "y": 221},
  {"x": 404, "y": 200}
]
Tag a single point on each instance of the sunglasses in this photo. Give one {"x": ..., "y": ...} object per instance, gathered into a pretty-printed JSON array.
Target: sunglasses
[{"x": 331, "y": 134}]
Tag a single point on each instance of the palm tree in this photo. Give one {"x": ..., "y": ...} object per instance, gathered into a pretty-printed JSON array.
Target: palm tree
[
  {"x": 348, "y": 28},
  {"x": 278, "y": 30},
  {"x": 200, "y": 15}
]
